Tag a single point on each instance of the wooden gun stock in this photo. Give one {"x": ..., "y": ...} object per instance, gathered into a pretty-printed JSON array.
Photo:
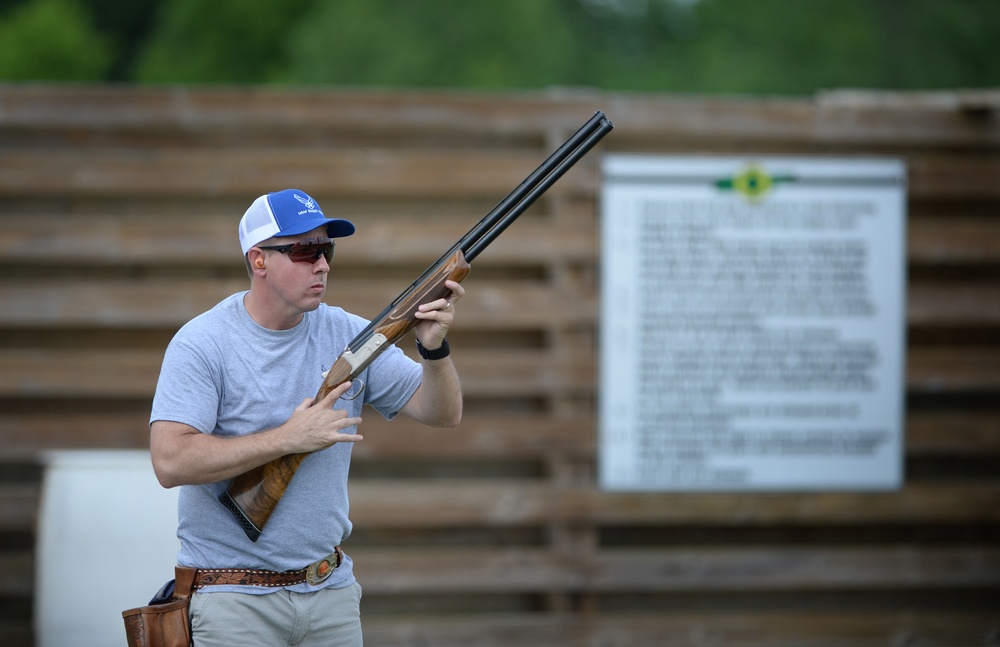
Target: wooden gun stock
[{"x": 253, "y": 495}]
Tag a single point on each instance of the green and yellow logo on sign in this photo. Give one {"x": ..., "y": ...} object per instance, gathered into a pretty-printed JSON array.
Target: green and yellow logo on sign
[{"x": 754, "y": 182}]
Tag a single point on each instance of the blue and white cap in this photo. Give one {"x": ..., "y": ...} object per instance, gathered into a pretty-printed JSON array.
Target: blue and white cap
[{"x": 287, "y": 213}]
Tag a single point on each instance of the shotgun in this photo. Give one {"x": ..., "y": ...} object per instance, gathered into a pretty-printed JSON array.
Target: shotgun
[{"x": 253, "y": 495}]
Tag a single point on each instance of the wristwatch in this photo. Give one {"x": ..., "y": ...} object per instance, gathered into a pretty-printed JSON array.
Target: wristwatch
[{"x": 437, "y": 353}]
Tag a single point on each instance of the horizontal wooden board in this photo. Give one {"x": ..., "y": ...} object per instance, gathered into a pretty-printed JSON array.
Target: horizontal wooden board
[
  {"x": 675, "y": 569},
  {"x": 17, "y": 574},
  {"x": 481, "y": 436},
  {"x": 450, "y": 570},
  {"x": 767, "y": 629},
  {"x": 947, "y": 176},
  {"x": 858, "y": 119},
  {"x": 953, "y": 432},
  {"x": 168, "y": 304},
  {"x": 19, "y": 507},
  {"x": 113, "y": 241},
  {"x": 261, "y": 111},
  {"x": 442, "y": 571},
  {"x": 953, "y": 304},
  {"x": 132, "y": 373},
  {"x": 495, "y": 503},
  {"x": 119, "y": 173},
  {"x": 685, "y": 628},
  {"x": 941, "y": 369},
  {"x": 493, "y": 304},
  {"x": 680, "y": 625},
  {"x": 953, "y": 239},
  {"x": 111, "y": 173}
]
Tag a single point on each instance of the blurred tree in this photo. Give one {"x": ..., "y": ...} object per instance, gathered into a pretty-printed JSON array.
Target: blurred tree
[
  {"x": 515, "y": 43},
  {"x": 637, "y": 44},
  {"x": 735, "y": 46},
  {"x": 785, "y": 47},
  {"x": 703, "y": 46},
  {"x": 781, "y": 47},
  {"x": 45, "y": 40},
  {"x": 219, "y": 41},
  {"x": 800, "y": 47},
  {"x": 128, "y": 23},
  {"x": 933, "y": 44}
]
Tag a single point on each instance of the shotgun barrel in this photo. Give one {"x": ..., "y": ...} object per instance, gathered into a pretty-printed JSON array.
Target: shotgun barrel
[{"x": 253, "y": 495}]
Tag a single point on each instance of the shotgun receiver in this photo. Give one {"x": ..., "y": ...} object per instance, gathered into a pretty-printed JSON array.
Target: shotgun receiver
[{"x": 253, "y": 495}]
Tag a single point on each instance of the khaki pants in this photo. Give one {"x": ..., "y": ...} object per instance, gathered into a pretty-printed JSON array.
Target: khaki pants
[{"x": 328, "y": 618}]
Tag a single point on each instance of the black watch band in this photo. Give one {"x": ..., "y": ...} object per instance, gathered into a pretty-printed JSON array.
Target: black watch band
[{"x": 437, "y": 353}]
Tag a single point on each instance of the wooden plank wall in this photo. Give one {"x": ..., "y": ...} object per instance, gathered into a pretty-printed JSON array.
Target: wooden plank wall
[{"x": 118, "y": 209}]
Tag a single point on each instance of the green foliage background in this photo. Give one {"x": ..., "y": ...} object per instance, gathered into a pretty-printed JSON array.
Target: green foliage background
[{"x": 697, "y": 46}]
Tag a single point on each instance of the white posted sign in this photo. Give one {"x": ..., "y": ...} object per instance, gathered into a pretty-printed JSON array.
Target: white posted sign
[{"x": 752, "y": 324}]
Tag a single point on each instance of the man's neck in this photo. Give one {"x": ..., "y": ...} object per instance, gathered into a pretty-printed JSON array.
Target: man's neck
[{"x": 267, "y": 315}]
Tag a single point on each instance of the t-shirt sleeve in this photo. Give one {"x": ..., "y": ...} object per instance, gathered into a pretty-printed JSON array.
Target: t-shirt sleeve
[
  {"x": 188, "y": 391},
  {"x": 393, "y": 378}
]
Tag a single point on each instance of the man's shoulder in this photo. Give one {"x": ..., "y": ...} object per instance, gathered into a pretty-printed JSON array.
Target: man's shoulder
[
  {"x": 212, "y": 321},
  {"x": 338, "y": 316}
]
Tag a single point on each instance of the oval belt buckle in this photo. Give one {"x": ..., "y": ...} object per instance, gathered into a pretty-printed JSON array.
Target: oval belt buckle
[{"x": 319, "y": 571}]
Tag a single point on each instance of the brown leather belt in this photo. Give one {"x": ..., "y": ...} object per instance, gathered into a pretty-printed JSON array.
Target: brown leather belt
[{"x": 312, "y": 574}]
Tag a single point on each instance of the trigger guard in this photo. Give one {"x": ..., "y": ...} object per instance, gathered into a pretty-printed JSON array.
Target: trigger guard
[{"x": 361, "y": 389}]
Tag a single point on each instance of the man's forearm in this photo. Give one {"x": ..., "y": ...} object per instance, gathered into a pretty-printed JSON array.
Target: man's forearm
[
  {"x": 183, "y": 455},
  {"x": 438, "y": 400}
]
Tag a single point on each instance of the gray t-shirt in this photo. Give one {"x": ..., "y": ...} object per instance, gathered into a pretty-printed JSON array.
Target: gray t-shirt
[{"x": 224, "y": 374}]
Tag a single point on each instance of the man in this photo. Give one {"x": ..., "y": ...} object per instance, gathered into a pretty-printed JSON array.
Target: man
[{"x": 235, "y": 391}]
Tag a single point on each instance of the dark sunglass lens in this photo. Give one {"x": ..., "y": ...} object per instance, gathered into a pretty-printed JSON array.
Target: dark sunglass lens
[{"x": 311, "y": 253}]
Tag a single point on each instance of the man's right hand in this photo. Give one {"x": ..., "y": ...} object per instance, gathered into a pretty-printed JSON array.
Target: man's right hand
[{"x": 317, "y": 426}]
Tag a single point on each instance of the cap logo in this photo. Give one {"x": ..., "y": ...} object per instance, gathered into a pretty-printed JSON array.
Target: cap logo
[{"x": 309, "y": 203}]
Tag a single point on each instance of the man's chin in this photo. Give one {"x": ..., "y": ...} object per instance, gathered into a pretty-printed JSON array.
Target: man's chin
[{"x": 313, "y": 301}]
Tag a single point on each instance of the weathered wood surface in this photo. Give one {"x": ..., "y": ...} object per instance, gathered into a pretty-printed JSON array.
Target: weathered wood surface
[
  {"x": 759, "y": 628},
  {"x": 132, "y": 373},
  {"x": 26, "y": 431},
  {"x": 118, "y": 209}
]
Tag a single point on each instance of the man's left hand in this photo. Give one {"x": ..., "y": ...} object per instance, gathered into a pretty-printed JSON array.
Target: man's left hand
[{"x": 437, "y": 316}]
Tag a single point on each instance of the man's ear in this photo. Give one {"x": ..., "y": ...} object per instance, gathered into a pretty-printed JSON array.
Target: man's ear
[{"x": 255, "y": 259}]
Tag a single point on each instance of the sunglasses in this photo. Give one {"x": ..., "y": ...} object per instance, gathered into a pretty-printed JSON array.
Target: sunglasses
[{"x": 306, "y": 251}]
